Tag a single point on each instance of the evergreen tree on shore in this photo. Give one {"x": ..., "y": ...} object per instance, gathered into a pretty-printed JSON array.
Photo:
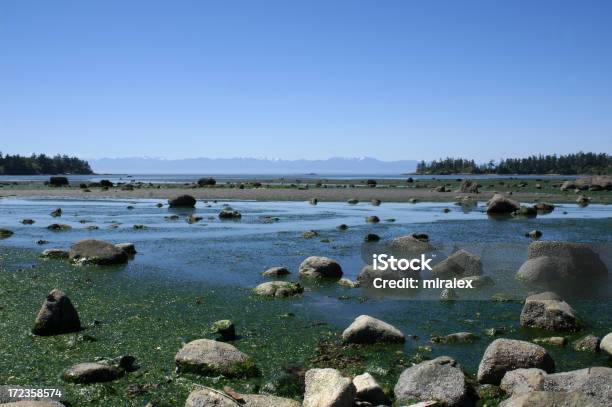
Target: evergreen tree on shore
[
  {"x": 570, "y": 164},
  {"x": 42, "y": 164}
]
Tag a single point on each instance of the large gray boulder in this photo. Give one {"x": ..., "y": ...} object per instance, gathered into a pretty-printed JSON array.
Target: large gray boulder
[
  {"x": 368, "y": 390},
  {"x": 366, "y": 329},
  {"x": 278, "y": 289},
  {"x": 56, "y": 316},
  {"x": 368, "y": 274},
  {"x": 328, "y": 388},
  {"x": 522, "y": 381},
  {"x": 606, "y": 344},
  {"x": 320, "y": 267},
  {"x": 547, "y": 311},
  {"x": 595, "y": 382},
  {"x": 440, "y": 379},
  {"x": 501, "y": 205},
  {"x": 98, "y": 252},
  {"x": 548, "y": 399},
  {"x": 91, "y": 373},
  {"x": 182, "y": 201},
  {"x": 460, "y": 263},
  {"x": 208, "y": 357},
  {"x": 560, "y": 261},
  {"x": 503, "y": 355}
]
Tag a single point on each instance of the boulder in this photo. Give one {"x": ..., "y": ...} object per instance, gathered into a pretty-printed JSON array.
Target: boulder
[
  {"x": 560, "y": 261},
  {"x": 589, "y": 343},
  {"x": 208, "y": 397},
  {"x": 229, "y": 213},
  {"x": 58, "y": 181},
  {"x": 599, "y": 182},
  {"x": 547, "y": 311},
  {"x": 98, "y": 252},
  {"x": 415, "y": 243},
  {"x": 606, "y": 344},
  {"x": 460, "y": 263},
  {"x": 56, "y": 316},
  {"x": 328, "y": 388},
  {"x": 206, "y": 182},
  {"x": 468, "y": 186},
  {"x": 129, "y": 248},
  {"x": 372, "y": 219},
  {"x": 276, "y": 272},
  {"x": 547, "y": 399},
  {"x": 366, "y": 329},
  {"x": 320, "y": 267},
  {"x": 503, "y": 355},
  {"x": 368, "y": 390},
  {"x": 521, "y": 381},
  {"x": 208, "y": 357},
  {"x": 182, "y": 201},
  {"x": 264, "y": 400},
  {"x": 593, "y": 382},
  {"x": 371, "y": 237},
  {"x": 55, "y": 254},
  {"x": 59, "y": 227},
  {"x": 458, "y": 337},
  {"x": 499, "y": 204},
  {"x": 353, "y": 201},
  {"x": 278, "y": 289},
  {"x": 91, "y": 373},
  {"x": 225, "y": 328},
  {"x": 440, "y": 379}
]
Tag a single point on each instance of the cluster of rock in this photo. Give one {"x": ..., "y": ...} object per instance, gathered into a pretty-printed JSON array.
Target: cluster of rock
[{"x": 594, "y": 183}]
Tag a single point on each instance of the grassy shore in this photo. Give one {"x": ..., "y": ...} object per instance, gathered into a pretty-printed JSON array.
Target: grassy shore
[{"x": 532, "y": 190}]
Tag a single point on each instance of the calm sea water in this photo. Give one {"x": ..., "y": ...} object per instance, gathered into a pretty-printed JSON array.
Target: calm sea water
[
  {"x": 228, "y": 254},
  {"x": 183, "y": 178}
]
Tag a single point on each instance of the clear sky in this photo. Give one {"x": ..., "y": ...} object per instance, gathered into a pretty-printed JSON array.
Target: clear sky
[{"x": 305, "y": 79}]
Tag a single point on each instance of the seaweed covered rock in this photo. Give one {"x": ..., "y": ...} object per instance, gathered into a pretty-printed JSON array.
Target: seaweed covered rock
[
  {"x": 97, "y": 252},
  {"x": 55, "y": 254},
  {"x": 367, "y": 329},
  {"x": 412, "y": 243},
  {"x": 547, "y": 311},
  {"x": 56, "y": 316},
  {"x": 320, "y": 267},
  {"x": 440, "y": 379},
  {"x": 328, "y": 388},
  {"x": 278, "y": 289},
  {"x": 229, "y": 213},
  {"x": 208, "y": 357},
  {"x": 503, "y": 355}
]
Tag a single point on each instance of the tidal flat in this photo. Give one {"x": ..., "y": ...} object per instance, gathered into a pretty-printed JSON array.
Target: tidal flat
[{"x": 187, "y": 275}]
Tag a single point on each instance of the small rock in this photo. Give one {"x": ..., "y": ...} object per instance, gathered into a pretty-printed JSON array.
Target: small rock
[
  {"x": 371, "y": 237},
  {"x": 345, "y": 282},
  {"x": 372, "y": 219},
  {"x": 55, "y": 254},
  {"x": 276, "y": 272},
  {"x": 589, "y": 343},
  {"x": 460, "y": 263},
  {"x": 278, "y": 289},
  {"x": 225, "y": 328},
  {"x": 459, "y": 337},
  {"x": 27, "y": 221},
  {"x": 59, "y": 227},
  {"x": 56, "y": 213},
  {"x": 353, "y": 201},
  {"x": 448, "y": 294},
  {"x": 534, "y": 234},
  {"x": 376, "y": 202},
  {"x": 129, "y": 248},
  {"x": 552, "y": 341},
  {"x": 229, "y": 213}
]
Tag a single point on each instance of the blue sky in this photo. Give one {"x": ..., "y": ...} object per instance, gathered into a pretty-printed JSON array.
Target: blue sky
[{"x": 305, "y": 79}]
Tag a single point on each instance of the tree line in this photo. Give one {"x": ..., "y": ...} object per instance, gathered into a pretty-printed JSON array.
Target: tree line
[
  {"x": 570, "y": 164},
  {"x": 42, "y": 164}
]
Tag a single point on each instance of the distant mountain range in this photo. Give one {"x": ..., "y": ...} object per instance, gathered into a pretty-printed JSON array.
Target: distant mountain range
[{"x": 336, "y": 165}]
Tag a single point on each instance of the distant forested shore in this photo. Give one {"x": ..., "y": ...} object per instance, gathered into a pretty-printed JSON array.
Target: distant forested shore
[
  {"x": 42, "y": 164},
  {"x": 570, "y": 164}
]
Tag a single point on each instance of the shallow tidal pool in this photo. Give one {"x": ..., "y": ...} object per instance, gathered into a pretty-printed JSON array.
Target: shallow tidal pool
[{"x": 186, "y": 276}]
